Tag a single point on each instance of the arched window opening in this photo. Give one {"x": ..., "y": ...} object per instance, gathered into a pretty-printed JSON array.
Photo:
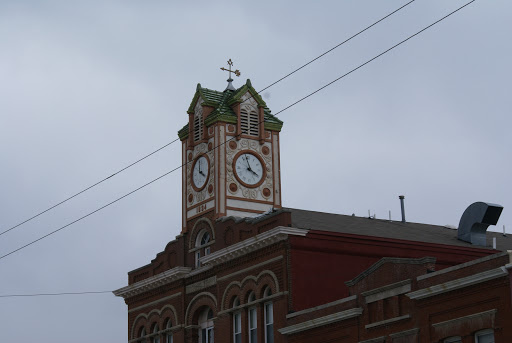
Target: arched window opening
[
  {"x": 237, "y": 322},
  {"x": 455, "y": 339},
  {"x": 484, "y": 336},
  {"x": 268, "y": 309},
  {"x": 249, "y": 122},
  {"x": 203, "y": 238},
  {"x": 156, "y": 337},
  {"x": 251, "y": 297},
  {"x": 198, "y": 126},
  {"x": 168, "y": 334},
  {"x": 142, "y": 335},
  {"x": 252, "y": 318},
  {"x": 205, "y": 323}
]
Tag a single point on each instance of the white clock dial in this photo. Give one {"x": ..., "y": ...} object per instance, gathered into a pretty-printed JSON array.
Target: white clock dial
[
  {"x": 248, "y": 169},
  {"x": 200, "y": 172}
]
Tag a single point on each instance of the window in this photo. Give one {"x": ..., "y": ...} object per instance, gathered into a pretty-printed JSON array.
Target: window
[
  {"x": 156, "y": 338},
  {"x": 198, "y": 125},
  {"x": 249, "y": 122},
  {"x": 198, "y": 258},
  {"x": 455, "y": 339},
  {"x": 237, "y": 327},
  {"x": 202, "y": 239},
  {"x": 168, "y": 335},
  {"x": 251, "y": 297},
  {"x": 206, "y": 326},
  {"x": 253, "y": 325},
  {"x": 237, "y": 322},
  {"x": 142, "y": 335},
  {"x": 269, "y": 317},
  {"x": 484, "y": 336}
]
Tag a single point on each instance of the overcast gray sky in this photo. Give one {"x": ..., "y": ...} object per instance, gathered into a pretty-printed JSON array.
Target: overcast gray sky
[{"x": 88, "y": 87}]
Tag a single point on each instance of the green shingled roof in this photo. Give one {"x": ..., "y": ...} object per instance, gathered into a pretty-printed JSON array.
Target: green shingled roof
[{"x": 222, "y": 102}]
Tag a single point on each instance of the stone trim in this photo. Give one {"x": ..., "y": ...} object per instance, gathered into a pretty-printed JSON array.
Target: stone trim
[
  {"x": 172, "y": 329},
  {"x": 381, "y": 339},
  {"x": 387, "y": 291},
  {"x": 460, "y": 266},
  {"x": 250, "y": 268},
  {"x": 321, "y": 307},
  {"x": 252, "y": 303},
  {"x": 198, "y": 271},
  {"x": 313, "y": 323},
  {"x": 451, "y": 322},
  {"x": 387, "y": 321},
  {"x": 240, "y": 284},
  {"x": 152, "y": 282},
  {"x": 155, "y": 302},
  {"x": 458, "y": 283},
  {"x": 202, "y": 246},
  {"x": 396, "y": 260},
  {"x": 249, "y": 245},
  {"x": 405, "y": 333},
  {"x": 197, "y": 286}
]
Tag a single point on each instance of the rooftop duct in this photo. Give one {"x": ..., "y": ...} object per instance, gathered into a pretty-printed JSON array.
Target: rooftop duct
[{"x": 475, "y": 220}]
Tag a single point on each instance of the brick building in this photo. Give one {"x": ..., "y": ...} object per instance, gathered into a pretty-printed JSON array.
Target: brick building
[{"x": 245, "y": 269}]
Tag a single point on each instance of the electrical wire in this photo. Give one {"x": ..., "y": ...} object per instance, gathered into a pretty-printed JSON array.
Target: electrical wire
[
  {"x": 284, "y": 109},
  {"x": 166, "y": 145},
  {"x": 86, "y": 189},
  {"x": 52, "y": 294}
]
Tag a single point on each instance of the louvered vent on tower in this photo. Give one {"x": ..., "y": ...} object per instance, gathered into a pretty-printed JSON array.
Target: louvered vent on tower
[
  {"x": 198, "y": 126},
  {"x": 249, "y": 122}
]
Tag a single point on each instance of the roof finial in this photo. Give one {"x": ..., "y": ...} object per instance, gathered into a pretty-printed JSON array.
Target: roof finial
[{"x": 237, "y": 73}]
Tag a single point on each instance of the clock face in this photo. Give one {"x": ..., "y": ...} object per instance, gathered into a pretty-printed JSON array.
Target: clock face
[
  {"x": 200, "y": 172},
  {"x": 249, "y": 170}
]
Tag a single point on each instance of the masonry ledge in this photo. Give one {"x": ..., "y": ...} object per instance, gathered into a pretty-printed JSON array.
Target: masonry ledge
[
  {"x": 387, "y": 321},
  {"x": 252, "y": 244},
  {"x": 152, "y": 282},
  {"x": 458, "y": 283},
  {"x": 313, "y": 323}
]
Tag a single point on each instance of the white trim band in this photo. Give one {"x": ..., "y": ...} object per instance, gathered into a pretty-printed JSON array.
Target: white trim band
[
  {"x": 313, "y": 323},
  {"x": 252, "y": 244},
  {"x": 458, "y": 283},
  {"x": 152, "y": 282}
]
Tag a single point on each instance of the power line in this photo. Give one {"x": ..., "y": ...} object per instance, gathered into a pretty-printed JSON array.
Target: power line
[
  {"x": 337, "y": 46},
  {"x": 166, "y": 145},
  {"x": 86, "y": 189},
  {"x": 284, "y": 109},
  {"x": 52, "y": 294}
]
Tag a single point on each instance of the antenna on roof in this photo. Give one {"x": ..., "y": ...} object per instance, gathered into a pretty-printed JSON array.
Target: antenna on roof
[{"x": 389, "y": 215}]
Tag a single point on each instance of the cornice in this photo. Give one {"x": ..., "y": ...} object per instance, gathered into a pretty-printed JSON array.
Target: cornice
[
  {"x": 153, "y": 282},
  {"x": 252, "y": 244},
  {"x": 313, "y": 323},
  {"x": 458, "y": 283}
]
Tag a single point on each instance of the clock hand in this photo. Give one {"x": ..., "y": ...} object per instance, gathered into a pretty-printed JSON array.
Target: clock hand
[{"x": 247, "y": 161}]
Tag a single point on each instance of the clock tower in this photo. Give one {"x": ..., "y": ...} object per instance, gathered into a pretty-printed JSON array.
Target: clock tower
[{"x": 230, "y": 154}]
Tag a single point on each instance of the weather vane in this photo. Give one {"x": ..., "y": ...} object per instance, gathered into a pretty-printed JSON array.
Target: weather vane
[
  {"x": 237, "y": 73},
  {"x": 230, "y": 63}
]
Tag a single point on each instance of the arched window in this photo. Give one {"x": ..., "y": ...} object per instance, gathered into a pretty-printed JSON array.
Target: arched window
[
  {"x": 198, "y": 124},
  {"x": 252, "y": 319},
  {"x": 156, "y": 337},
  {"x": 203, "y": 239},
  {"x": 268, "y": 310},
  {"x": 237, "y": 322},
  {"x": 205, "y": 323},
  {"x": 249, "y": 122},
  {"x": 484, "y": 336},
  {"x": 454, "y": 339},
  {"x": 142, "y": 335},
  {"x": 168, "y": 334}
]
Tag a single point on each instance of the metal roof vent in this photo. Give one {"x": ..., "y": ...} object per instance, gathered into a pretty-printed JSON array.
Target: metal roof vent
[{"x": 475, "y": 220}]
